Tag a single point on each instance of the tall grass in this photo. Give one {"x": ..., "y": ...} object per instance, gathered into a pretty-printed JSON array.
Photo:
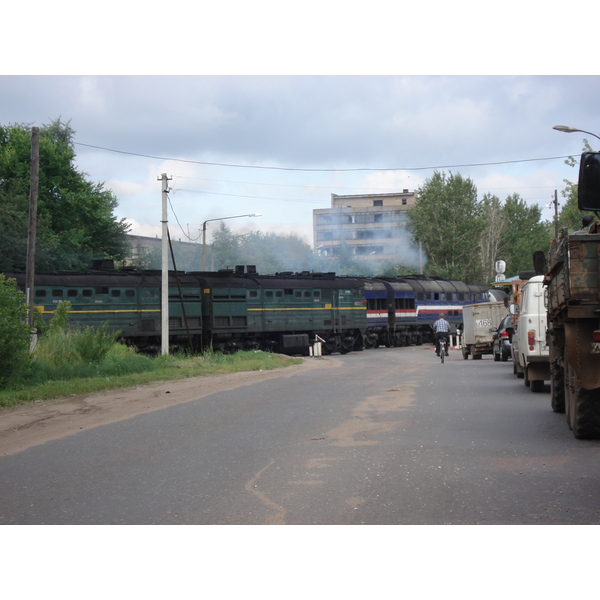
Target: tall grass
[{"x": 70, "y": 361}]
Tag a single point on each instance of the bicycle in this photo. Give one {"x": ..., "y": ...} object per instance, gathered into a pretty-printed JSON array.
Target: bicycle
[{"x": 443, "y": 350}]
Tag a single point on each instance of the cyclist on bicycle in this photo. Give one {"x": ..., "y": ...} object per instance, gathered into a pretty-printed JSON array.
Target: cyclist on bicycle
[{"x": 441, "y": 328}]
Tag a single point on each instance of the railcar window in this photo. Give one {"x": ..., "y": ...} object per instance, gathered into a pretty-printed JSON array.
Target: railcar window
[
  {"x": 115, "y": 293},
  {"x": 57, "y": 293},
  {"x": 436, "y": 296},
  {"x": 326, "y": 294},
  {"x": 269, "y": 294},
  {"x": 87, "y": 293},
  {"x": 461, "y": 296},
  {"x": 40, "y": 293},
  {"x": 101, "y": 290},
  {"x": 297, "y": 294},
  {"x": 420, "y": 296},
  {"x": 253, "y": 294},
  {"x": 289, "y": 292},
  {"x": 307, "y": 294},
  {"x": 71, "y": 293},
  {"x": 279, "y": 294},
  {"x": 130, "y": 293},
  {"x": 317, "y": 293}
]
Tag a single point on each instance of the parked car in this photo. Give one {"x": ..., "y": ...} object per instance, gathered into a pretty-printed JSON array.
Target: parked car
[{"x": 502, "y": 339}]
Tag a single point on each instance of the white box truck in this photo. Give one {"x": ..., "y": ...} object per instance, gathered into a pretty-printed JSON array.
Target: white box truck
[{"x": 478, "y": 320}]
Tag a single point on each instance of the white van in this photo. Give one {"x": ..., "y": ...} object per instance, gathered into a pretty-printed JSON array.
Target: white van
[{"x": 529, "y": 345}]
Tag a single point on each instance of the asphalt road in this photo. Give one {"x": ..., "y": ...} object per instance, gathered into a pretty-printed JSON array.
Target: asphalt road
[{"x": 386, "y": 436}]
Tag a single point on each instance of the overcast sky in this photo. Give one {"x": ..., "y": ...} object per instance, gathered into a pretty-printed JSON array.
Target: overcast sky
[{"x": 280, "y": 145}]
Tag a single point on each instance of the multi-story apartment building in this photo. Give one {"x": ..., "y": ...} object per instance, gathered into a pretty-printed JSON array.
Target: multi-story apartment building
[{"x": 373, "y": 226}]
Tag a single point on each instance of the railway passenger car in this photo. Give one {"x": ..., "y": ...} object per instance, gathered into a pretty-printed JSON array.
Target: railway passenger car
[{"x": 402, "y": 311}]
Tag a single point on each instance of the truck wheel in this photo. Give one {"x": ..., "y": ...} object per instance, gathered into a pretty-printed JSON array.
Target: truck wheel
[
  {"x": 465, "y": 353},
  {"x": 557, "y": 388},
  {"x": 582, "y": 408}
]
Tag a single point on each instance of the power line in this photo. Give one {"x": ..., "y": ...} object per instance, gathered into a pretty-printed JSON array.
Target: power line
[{"x": 214, "y": 164}]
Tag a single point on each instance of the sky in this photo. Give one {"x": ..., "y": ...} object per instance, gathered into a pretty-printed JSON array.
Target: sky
[
  {"x": 249, "y": 121},
  {"x": 280, "y": 145}
]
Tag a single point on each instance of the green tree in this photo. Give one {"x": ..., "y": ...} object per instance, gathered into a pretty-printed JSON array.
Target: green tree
[
  {"x": 76, "y": 221},
  {"x": 448, "y": 221},
  {"x": 570, "y": 216},
  {"x": 14, "y": 331},
  {"x": 525, "y": 233}
]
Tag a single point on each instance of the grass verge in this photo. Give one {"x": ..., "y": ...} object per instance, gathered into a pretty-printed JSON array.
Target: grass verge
[{"x": 106, "y": 376}]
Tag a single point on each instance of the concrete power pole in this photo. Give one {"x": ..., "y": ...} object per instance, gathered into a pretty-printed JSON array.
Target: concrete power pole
[
  {"x": 164, "y": 305},
  {"x": 32, "y": 231}
]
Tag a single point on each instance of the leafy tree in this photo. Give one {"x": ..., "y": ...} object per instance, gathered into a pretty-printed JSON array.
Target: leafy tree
[
  {"x": 14, "y": 331},
  {"x": 448, "y": 221},
  {"x": 524, "y": 234},
  {"x": 570, "y": 216},
  {"x": 76, "y": 221}
]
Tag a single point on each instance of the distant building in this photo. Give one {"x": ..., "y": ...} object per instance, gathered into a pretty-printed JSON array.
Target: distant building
[
  {"x": 147, "y": 251},
  {"x": 373, "y": 226}
]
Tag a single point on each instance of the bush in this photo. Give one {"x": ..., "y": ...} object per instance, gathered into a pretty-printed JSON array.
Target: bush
[{"x": 15, "y": 335}]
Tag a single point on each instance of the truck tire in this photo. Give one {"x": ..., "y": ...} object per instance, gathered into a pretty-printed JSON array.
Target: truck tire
[
  {"x": 465, "y": 353},
  {"x": 557, "y": 387},
  {"x": 582, "y": 408}
]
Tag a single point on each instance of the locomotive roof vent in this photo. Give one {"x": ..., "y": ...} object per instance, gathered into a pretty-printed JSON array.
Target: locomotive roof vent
[
  {"x": 251, "y": 269},
  {"x": 239, "y": 269},
  {"x": 103, "y": 264}
]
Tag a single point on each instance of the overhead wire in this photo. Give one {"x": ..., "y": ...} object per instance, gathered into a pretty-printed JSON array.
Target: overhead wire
[{"x": 331, "y": 170}]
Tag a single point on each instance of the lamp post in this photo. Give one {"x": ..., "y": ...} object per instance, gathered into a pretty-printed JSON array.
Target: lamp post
[
  {"x": 204, "y": 233},
  {"x": 567, "y": 129}
]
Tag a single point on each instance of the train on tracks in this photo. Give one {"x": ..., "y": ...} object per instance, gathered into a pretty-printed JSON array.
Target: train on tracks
[{"x": 241, "y": 309}]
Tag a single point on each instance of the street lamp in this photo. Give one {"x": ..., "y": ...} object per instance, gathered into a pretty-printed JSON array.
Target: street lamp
[
  {"x": 204, "y": 233},
  {"x": 567, "y": 129}
]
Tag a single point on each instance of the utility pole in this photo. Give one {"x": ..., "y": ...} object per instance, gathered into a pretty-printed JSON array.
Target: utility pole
[
  {"x": 164, "y": 304},
  {"x": 34, "y": 178},
  {"x": 555, "y": 201}
]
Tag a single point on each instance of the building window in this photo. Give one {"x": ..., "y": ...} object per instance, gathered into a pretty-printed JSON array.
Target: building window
[{"x": 377, "y": 202}]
